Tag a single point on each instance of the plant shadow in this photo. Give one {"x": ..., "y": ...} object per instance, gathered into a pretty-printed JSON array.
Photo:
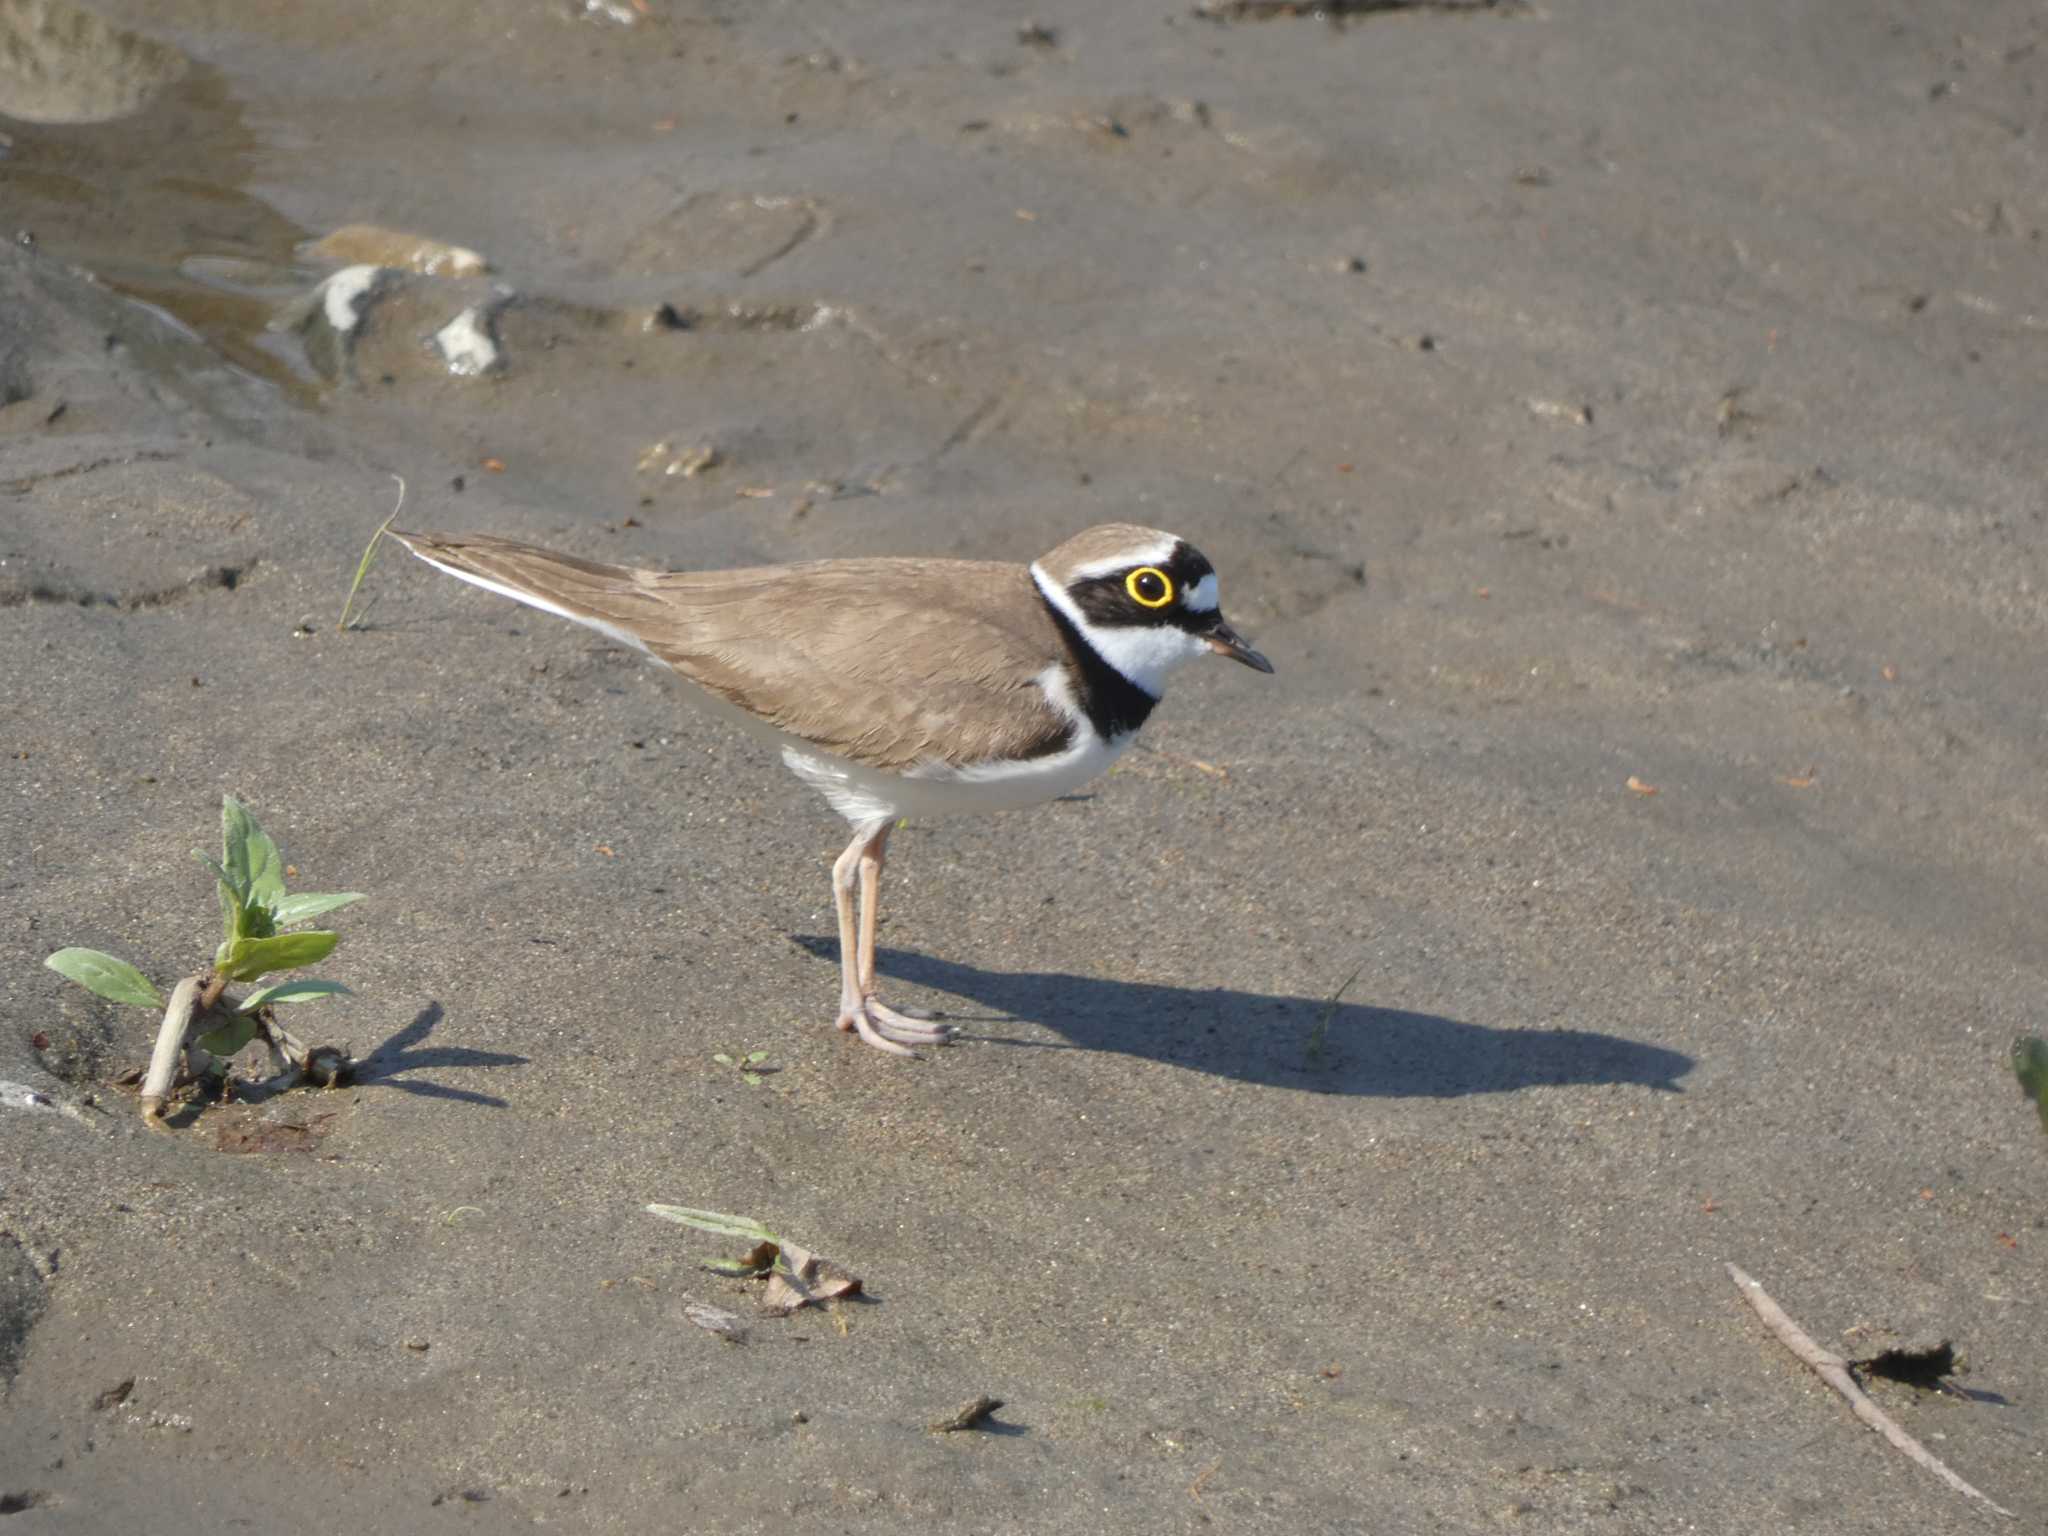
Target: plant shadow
[
  {"x": 399, "y": 1054},
  {"x": 1293, "y": 1042}
]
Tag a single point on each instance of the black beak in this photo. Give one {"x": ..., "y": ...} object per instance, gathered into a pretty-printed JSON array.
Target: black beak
[{"x": 1225, "y": 641}]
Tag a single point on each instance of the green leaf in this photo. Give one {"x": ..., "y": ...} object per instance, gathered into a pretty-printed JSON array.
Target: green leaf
[
  {"x": 299, "y": 909},
  {"x": 246, "y": 959},
  {"x": 2030, "y": 1066},
  {"x": 739, "y": 1269},
  {"x": 229, "y": 1038},
  {"x": 116, "y": 980},
  {"x": 751, "y": 1079},
  {"x": 721, "y": 1058},
  {"x": 754, "y": 1057},
  {"x": 234, "y": 899},
  {"x": 249, "y": 854},
  {"x": 303, "y": 990},
  {"x": 714, "y": 1221}
]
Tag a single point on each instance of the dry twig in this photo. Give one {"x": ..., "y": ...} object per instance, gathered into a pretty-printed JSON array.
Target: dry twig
[{"x": 1834, "y": 1370}]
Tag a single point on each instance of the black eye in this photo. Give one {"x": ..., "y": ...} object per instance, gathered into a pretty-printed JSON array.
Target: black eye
[{"x": 1150, "y": 586}]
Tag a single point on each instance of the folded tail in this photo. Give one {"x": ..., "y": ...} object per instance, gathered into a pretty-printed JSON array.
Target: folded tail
[{"x": 612, "y": 599}]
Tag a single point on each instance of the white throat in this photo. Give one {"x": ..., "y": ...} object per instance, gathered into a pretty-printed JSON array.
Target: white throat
[{"x": 1146, "y": 654}]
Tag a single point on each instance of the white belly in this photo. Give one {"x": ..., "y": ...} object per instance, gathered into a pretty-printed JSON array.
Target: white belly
[{"x": 862, "y": 794}]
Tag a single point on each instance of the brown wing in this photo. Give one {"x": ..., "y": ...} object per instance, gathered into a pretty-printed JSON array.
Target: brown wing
[{"x": 887, "y": 662}]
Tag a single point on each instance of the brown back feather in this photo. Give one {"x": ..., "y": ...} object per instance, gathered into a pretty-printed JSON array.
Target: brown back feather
[{"x": 888, "y": 662}]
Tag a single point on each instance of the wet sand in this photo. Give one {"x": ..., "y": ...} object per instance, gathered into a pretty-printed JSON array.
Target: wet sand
[{"x": 1621, "y": 427}]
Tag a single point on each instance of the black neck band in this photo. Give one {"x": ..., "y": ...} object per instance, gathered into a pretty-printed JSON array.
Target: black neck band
[{"x": 1114, "y": 704}]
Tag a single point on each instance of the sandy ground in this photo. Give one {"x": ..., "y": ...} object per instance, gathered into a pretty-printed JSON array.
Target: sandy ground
[{"x": 1580, "y": 401}]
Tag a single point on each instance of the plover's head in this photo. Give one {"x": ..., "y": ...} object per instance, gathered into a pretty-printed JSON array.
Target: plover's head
[{"x": 1145, "y": 600}]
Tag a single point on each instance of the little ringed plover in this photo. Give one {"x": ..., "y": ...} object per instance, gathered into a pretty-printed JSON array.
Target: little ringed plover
[{"x": 902, "y": 687}]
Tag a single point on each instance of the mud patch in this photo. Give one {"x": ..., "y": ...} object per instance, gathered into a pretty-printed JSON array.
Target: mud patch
[
  {"x": 711, "y": 232},
  {"x": 59, "y": 63},
  {"x": 255, "y": 1133},
  {"x": 22, "y": 1299}
]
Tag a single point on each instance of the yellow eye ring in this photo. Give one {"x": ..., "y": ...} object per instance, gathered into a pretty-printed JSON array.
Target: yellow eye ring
[{"x": 1149, "y": 587}]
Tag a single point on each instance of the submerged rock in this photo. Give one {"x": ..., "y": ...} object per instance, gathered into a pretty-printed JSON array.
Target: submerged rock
[{"x": 372, "y": 244}]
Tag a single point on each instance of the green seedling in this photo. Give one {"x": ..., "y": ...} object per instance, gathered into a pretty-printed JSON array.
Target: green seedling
[
  {"x": 751, "y": 1066},
  {"x": 261, "y": 932},
  {"x": 2030, "y": 1066},
  {"x": 796, "y": 1276},
  {"x": 767, "y": 1246}
]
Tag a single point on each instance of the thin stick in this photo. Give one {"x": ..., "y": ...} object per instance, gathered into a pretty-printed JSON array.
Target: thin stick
[
  {"x": 369, "y": 553},
  {"x": 163, "y": 1061},
  {"x": 1834, "y": 1370}
]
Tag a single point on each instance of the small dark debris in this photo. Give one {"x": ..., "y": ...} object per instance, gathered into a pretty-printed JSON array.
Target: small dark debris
[
  {"x": 56, "y": 411},
  {"x": 1425, "y": 342},
  {"x": 668, "y": 318},
  {"x": 40, "y": 1040},
  {"x": 969, "y": 1416},
  {"x": 1355, "y": 264},
  {"x": 12, "y": 1503},
  {"x": 1037, "y": 34},
  {"x": 976, "y": 125},
  {"x": 1920, "y": 1364},
  {"x": 456, "y": 485},
  {"x": 329, "y": 1066},
  {"x": 114, "y": 1396}
]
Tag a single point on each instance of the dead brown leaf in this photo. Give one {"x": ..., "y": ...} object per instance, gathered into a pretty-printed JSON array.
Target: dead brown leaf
[
  {"x": 836, "y": 1282},
  {"x": 785, "y": 1294}
]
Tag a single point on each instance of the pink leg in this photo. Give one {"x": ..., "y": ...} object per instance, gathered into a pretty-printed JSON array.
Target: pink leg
[
  {"x": 898, "y": 1023},
  {"x": 884, "y": 1029}
]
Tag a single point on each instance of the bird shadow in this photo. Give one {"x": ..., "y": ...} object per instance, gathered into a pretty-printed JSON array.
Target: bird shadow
[
  {"x": 399, "y": 1054},
  {"x": 1309, "y": 1043}
]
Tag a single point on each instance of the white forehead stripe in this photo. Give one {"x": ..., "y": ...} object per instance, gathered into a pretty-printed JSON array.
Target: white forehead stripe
[
  {"x": 1144, "y": 554},
  {"x": 1202, "y": 595}
]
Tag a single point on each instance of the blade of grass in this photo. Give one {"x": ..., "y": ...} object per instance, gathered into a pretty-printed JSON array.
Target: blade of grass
[
  {"x": 714, "y": 1221},
  {"x": 369, "y": 554},
  {"x": 1321, "y": 1033}
]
